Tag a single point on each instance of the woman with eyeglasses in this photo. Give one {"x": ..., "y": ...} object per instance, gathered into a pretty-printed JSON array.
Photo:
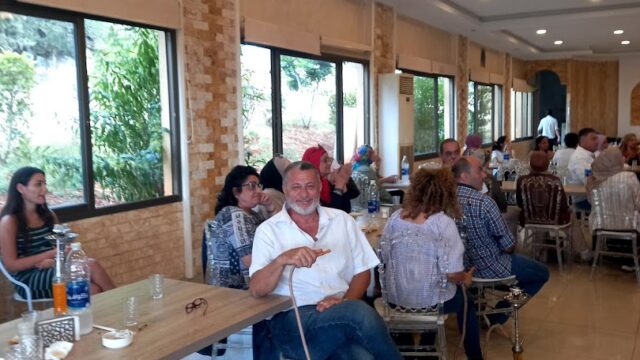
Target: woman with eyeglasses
[
  {"x": 228, "y": 237},
  {"x": 338, "y": 189}
]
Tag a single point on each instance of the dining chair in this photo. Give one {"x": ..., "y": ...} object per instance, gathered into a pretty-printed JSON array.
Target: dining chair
[
  {"x": 16, "y": 296},
  {"x": 613, "y": 217},
  {"x": 410, "y": 314},
  {"x": 219, "y": 348},
  {"x": 542, "y": 198}
]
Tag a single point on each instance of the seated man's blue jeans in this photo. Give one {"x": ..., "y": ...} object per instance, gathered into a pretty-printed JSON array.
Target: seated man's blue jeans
[
  {"x": 472, "y": 336},
  {"x": 583, "y": 205},
  {"x": 531, "y": 275},
  {"x": 351, "y": 329}
]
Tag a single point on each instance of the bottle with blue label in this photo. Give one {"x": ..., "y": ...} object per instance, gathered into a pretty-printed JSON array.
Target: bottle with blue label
[
  {"x": 79, "y": 287},
  {"x": 404, "y": 167},
  {"x": 373, "y": 202},
  {"x": 505, "y": 160}
]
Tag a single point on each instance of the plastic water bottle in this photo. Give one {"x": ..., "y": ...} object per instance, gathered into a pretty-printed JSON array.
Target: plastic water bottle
[
  {"x": 79, "y": 287},
  {"x": 404, "y": 175},
  {"x": 373, "y": 201},
  {"x": 505, "y": 160}
]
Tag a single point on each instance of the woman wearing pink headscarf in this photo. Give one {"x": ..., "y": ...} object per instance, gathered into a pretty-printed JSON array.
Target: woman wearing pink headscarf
[{"x": 337, "y": 186}]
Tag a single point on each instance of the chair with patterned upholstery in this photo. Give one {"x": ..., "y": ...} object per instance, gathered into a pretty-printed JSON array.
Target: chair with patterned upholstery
[
  {"x": 614, "y": 217},
  {"x": 542, "y": 198},
  {"x": 410, "y": 314}
]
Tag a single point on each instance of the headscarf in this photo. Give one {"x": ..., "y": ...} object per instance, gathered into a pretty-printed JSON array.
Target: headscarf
[
  {"x": 362, "y": 157},
  {"x": 608, "y": 163},
  {"x": 271, "y": 173},
  {"x": 473, "y": 141},
  {"x": 313, "y": 155},
  {"x": 539, "y": 161}
]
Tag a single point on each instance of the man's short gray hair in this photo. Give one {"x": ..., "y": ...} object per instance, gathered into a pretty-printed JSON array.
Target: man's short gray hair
[
  {"x": 300, "y": 165},
  {"x": 461, "y": 166}
]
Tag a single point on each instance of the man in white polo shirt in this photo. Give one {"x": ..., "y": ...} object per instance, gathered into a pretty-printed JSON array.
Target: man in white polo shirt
[
  {"x": 549, "y": 127},
  {"x": 332, "y": 260}
]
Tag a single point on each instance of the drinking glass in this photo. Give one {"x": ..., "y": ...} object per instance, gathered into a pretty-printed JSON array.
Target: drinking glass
[
  {"x": 156, "y": 286},
  {"x": 634, "y": 165},
  {"x": 31, "y": 346},
  {"x": 130, "y": 311}
]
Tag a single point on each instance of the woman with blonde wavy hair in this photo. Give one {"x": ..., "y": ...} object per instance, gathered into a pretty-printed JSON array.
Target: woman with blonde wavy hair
[{"x": 427, "y": 219}]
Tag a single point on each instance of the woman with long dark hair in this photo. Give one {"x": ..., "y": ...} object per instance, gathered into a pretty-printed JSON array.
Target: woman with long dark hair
[{"x": 25, "y": 223}]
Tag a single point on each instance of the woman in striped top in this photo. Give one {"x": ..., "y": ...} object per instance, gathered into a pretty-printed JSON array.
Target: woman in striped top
[{"x": 25, "y": 221}]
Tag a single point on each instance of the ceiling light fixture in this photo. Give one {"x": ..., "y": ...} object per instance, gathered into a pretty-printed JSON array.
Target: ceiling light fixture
[
  {"x": 625, "y": 42},
  {"x": 541, "y": 31},
  {"x": 558, "y": 42},
  {"x": 618, "y": 32}
]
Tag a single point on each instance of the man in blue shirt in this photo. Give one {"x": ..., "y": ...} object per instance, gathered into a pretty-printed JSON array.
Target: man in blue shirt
[{"x": 489, "y": 243}]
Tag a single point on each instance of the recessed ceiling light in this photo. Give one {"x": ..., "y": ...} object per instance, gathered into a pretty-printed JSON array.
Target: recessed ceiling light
[
  {"x": 541, "y": 31},
  {"x": 618, "y": 32},
  {"x": 558, "y": 42},
  {"x": 625, "y": 42}
]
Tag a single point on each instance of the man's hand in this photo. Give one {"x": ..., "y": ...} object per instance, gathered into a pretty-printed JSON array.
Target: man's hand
[
  {"x": 301, "y": 257},
  {"x": 328, "y": 302},
  {"x": 467, "y": 277}
]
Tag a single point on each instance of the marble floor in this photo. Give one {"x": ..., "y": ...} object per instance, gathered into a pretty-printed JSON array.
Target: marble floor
[{"x": 572, "y": 317}]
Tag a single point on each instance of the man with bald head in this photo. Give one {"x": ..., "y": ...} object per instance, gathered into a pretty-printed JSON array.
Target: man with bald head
[{"x": 489, "y": 243}]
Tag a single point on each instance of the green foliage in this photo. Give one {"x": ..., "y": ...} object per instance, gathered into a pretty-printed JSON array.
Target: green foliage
[
  {"x": 44, "y": 38},
  {"x": 425, "y": 123},
  {"x": 305, "y": 75},
  {"x": 349, "y": 99},
  {"x": 17, "y": 79},
  {"x": 126, "y": 115},
  {"x": 62, "y": 166}
]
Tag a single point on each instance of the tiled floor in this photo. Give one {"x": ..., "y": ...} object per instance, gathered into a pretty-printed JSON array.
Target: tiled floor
[{"x": 571, "y": 318}]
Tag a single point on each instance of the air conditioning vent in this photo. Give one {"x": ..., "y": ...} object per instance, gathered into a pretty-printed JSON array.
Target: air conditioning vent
[{"x": 406, "y": 85}]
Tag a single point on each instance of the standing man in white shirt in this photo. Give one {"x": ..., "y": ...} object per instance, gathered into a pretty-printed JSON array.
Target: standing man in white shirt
[
  {"x": 332, "y": 261},
  {"x": 580, "y": 160},
  {"x": 549, "y": 127}
]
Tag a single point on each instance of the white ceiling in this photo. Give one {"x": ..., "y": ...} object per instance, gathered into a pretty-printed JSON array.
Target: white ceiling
[{"x": 585, "y": 26}]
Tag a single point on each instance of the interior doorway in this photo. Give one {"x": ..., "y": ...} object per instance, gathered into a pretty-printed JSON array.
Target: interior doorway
[{"x": 550, "y": 94}]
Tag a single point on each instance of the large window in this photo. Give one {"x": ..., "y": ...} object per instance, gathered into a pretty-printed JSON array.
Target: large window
[
  {"x": 292, "y": 101},
  {"x": 521, "y": 114},
  {"x": 433, "y": 103},
  {"x": 485, "y": 111},
  {"x": 90, "y": 102}
]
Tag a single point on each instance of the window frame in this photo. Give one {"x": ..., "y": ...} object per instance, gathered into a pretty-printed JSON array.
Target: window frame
[
  {"x": 88, "y": 209},
  {"x": 452, "y": 120},
  {"x": 496, "y": 104},
  {"x": 526, "y": 109},
  {"x": 276, "y": 96}
]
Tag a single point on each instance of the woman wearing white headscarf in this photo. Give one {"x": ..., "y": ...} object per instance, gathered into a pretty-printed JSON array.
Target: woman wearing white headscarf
[{"x": 607, "y": 172}]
